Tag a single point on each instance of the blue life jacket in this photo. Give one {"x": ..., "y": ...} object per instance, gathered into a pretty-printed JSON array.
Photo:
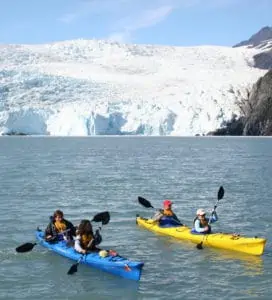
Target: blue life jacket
[
  {"x": 167, "y": 221},
  {"x": 193, "y": 231}
]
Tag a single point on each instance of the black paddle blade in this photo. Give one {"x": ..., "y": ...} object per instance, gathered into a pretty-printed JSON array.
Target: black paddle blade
[
  {"x": 220, "y": 193},
  {"x": 199, "y": 246},
  {"x": 103, "y": 217},
  {"x": 144, "y": 202},
  {"x": 25, "y": 247},
  {"x": 73, "y": 269}
]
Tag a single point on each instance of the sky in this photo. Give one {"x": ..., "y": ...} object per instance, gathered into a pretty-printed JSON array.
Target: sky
[{"x": 165, "y": 22}]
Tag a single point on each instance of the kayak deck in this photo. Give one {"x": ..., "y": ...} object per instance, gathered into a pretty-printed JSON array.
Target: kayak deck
[
  {"x": 116, "y": 265},
  {"x": 228, "y": 241}
]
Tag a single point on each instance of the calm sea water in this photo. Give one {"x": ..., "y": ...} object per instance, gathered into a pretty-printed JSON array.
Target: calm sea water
[{"x": 83, "y": 176}]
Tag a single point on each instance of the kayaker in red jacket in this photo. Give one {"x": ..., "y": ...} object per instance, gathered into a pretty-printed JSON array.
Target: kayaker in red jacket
[{"x": 166, "y": 216}]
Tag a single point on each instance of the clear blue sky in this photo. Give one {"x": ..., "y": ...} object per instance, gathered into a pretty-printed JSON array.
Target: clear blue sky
[{"x": 171, "y": 22}]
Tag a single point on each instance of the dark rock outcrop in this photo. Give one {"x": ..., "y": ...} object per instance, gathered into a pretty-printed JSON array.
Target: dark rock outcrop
[
  {"x": 233, "y": 127},
  {"x": 14, "y": 133},
  {"x": 258, "y": 108},
  {"x": 256, "y": 112},
  {"x": 263, "y": 60}
]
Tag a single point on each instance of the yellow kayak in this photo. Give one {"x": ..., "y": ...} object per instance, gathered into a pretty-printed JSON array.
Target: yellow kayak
[{"x": 249, "y": 245}]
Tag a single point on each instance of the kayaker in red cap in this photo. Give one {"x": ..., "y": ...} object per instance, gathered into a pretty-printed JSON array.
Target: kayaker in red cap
[{"x": 166, "y": 217}]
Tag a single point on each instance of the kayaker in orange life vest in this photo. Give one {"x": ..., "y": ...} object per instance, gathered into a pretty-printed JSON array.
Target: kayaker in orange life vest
[
  {"x": 201, "y": 223},
  {"x": 85, "y": 238},
  {"x": 166, "y": 217}
]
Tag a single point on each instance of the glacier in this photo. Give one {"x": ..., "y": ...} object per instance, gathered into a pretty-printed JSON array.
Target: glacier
[{"x": 96, "y": 87}]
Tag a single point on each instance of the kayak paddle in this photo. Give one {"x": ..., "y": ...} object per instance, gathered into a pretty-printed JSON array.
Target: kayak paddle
[
  {"x": 25, "y": 247},
  {"x": 29, "y": 246},
  {"x": 103, "y": 217},
  {"x": 73, "y": 268},
  {"x": 220, "y": 195},
  {"x": 144, "y": 202}
]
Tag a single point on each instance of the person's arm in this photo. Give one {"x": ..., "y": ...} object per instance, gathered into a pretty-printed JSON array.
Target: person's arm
[
  {"x": 78, "y": 247},
  {"x": 49, "y": 231},
  {"x": 91, "y": 244},
  {"x": 157, "y": 216},
  {"x": 198, "y": 228},
  {"x": 213, "y": 217}
]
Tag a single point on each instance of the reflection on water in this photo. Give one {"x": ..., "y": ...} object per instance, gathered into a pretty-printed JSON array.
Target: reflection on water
[{"x": 252, "y": 264}]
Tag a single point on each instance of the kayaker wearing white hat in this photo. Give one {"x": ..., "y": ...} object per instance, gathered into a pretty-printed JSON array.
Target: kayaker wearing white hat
[{"x": 201, "y": 223}]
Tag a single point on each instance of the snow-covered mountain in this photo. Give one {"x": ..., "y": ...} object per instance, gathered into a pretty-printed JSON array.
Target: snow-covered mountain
[
  {"x": 258, "y": 39},
  {"x": 261, "y": 40},
  {"x": 90, "y": 87}
]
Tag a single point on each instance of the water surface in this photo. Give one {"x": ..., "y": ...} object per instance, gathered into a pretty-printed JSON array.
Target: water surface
[{"x": 83, "y": 176}]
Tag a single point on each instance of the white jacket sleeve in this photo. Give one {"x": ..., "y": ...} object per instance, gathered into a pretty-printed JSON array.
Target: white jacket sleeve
[{"x": 77, "y": 246}]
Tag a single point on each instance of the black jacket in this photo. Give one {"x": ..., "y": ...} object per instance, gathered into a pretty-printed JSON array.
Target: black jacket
[{"x": 51, "y": 230}]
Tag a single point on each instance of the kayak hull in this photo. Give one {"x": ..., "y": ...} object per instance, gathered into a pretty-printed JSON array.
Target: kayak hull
[
  {"x": 116, "y": 265},
  {"x": 228, "y": 241}
]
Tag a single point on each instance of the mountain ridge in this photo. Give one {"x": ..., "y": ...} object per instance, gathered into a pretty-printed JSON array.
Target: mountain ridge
[{"x": 260, "y": 40}]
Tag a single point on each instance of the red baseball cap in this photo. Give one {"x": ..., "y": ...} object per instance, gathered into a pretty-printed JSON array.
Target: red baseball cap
[{"x": 167, "y": 203}]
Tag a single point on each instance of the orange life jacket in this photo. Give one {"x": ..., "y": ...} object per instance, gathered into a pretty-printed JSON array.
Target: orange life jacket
[
  {"x": 168, "y": 212},
  {"x": 60, "y": 226},
  {"x": 85, "y": 240}
]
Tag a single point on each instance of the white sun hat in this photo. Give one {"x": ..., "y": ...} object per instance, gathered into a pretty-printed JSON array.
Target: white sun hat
[{"x": 200, "y": 212}]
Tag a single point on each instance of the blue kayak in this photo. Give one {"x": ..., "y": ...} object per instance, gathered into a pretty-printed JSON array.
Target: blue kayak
[{"x": 116, "y": 265}]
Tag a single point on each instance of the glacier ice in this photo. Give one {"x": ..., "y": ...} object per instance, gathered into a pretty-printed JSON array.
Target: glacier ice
[{"x": 90, "y": 87}]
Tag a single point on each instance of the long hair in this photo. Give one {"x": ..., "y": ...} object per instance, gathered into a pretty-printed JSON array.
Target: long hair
[{"x": 85, "y": 227}]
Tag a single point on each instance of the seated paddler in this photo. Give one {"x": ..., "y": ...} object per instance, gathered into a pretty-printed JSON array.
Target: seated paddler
[
  {"x": 59, "y": 228},
  {"x": 86, "y": 240},
  {"x": 202, "y": 223},
  {"x": 166, "y": 217}
]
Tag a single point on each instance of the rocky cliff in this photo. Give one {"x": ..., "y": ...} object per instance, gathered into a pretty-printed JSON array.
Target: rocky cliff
[
  {"x": 256, "y": 112},
  {"x": 258, "y": 108}
]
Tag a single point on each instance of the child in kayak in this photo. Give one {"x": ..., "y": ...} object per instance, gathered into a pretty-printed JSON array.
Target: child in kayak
[
  {"x": 59, "y": 228},
  {"x": 86, "y": 241},
  {"x": 201, "y": 223},
  {"x": 166, "y": 217}
]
